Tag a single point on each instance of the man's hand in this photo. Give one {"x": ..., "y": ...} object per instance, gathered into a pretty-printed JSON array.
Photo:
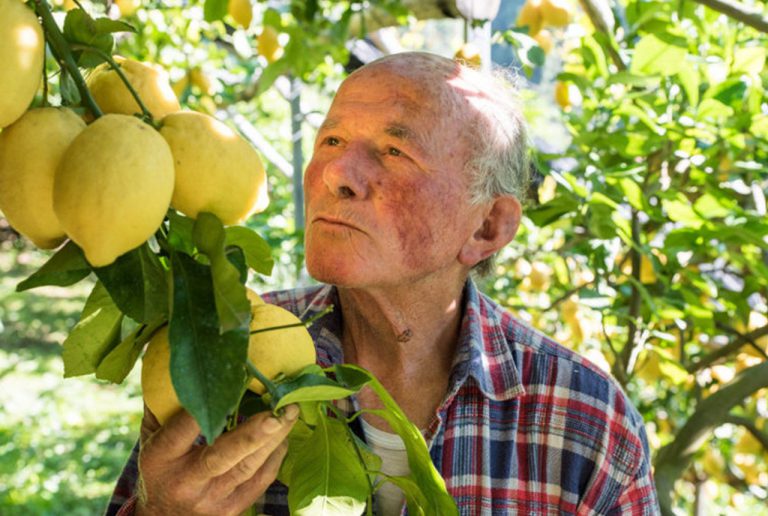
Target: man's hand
[{"x": 178, "y": 476}]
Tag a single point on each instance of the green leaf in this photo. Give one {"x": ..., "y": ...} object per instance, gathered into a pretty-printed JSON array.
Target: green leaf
[
  {"x": 232, "y": 304},
  {"x": 310, "y": 387},
  {"x": 116, "y": 365},
  {"x": 424, "y": 473},
  {"x": 630, "y": 110},
  {"x": 207, "y": 367},
  {"x": 600, "y": 221},
  {"x": 94, "y": 335},
  {"x": 710, "y": 207},
  {"x": 689, "y": 79},
  {"x": 137, "y": 283},
  {"x": 629, "y": 79},
  {"x": 69, "y": 92},
  {"x": 258, "y": 254},
  {"x": 749, "y": 60},
  {"x": 298, "y": 436},
  {"x": 180, "y": 232},
  {"x": 65, "y": 268},
  {"x": 327, "y": 477},
  {"x": 680, "y": 210},
  {"x": 81, "y": 28},
  {"x": 653, "y": 56},
  {"x": 215, "y": 9},
  {"x": 553, "y": 210}
]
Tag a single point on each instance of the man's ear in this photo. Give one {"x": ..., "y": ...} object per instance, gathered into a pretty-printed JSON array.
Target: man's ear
[{"x": 497, "y": 229}]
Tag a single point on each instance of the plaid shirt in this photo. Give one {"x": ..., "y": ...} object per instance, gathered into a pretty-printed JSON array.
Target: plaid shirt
[{"x": 527, "y": 427}]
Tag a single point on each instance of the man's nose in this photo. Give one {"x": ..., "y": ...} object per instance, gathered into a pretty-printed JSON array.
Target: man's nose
[{"x": 346, "y": 174}]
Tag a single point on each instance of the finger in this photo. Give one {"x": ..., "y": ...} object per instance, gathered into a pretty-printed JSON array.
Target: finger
[
  {"x": 175, "y": 438},
  {"x": 263, "y": 430},
  {"x": 252, "y": 489}
]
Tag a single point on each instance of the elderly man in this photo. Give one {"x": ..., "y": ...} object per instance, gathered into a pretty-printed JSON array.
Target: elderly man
[{"x": 414, "y": 182}]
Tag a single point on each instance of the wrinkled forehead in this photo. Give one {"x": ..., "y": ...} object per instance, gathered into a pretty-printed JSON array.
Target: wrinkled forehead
[{"x": 423, "y": 84}]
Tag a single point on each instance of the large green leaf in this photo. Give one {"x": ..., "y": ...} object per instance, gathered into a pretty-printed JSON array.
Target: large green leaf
[
  {"x": 116, "y": 364},
  {"x": 327, "y": 476},
  {"x": 94, "y": 335},
  {"x": 215, "y": 9},
  {"x": 65, "y": 268},
  {"x": 207, "y": 367},
  {"x": 137, "y": 283},
  {"x": 232, "y": 304},
  {"x": 80, "y": 28}
]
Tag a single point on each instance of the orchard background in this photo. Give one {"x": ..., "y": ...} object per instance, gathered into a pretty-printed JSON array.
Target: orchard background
[{"x": 644, "y": 246}]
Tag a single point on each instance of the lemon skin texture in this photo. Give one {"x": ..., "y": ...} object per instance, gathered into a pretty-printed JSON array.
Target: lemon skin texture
[
  {"x": 283, "y": 351},
  {"x": 113, "y": 187},
  {"x": 150, "y": 82},
  {"x": 156, "y": 386},
  {"x": 22, "y": 51},
  {"x": 216, "y": 169},
  {"x": 30, "y": 150}
]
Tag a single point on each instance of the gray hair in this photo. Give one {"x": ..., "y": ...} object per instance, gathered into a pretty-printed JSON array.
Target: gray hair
[{"x": 487, "y": 108}]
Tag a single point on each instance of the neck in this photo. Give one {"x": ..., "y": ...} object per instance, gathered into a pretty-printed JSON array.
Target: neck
[{"x": 407, "y": 338}]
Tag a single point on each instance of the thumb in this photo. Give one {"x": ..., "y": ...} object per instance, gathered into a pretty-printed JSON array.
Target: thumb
[{"x": 149, "y": 425}]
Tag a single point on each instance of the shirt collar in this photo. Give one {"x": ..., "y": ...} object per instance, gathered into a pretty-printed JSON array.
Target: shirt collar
[{"x": 484, "y": 352}]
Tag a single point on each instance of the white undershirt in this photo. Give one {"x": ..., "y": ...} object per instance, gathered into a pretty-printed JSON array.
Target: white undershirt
[{"x": 394, "y": 462}]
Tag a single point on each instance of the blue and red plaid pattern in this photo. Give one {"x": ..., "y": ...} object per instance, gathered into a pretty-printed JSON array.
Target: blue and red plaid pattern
[{"x": 527, "y": 427}]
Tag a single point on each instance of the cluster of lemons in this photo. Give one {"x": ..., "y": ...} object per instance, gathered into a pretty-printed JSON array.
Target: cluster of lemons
[{"x": 108, "y": 184}]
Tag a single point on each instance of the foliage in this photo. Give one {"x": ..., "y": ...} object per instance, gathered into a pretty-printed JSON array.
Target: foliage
[{"x": 649, "y": 241}]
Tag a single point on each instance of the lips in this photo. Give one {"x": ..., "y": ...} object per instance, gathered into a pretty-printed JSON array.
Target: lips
[{"x": 335, "y": 221}]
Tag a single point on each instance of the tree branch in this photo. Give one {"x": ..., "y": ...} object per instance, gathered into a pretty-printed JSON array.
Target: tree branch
[
  {"x": 752, "y": 17},
  {"x": 750, "y": 426},
  {"x": 713, "y": 411},
  {"x": 738, "y": 342}
]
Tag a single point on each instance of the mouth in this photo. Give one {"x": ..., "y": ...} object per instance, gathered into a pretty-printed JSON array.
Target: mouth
[{"x": 328, "y": 220}]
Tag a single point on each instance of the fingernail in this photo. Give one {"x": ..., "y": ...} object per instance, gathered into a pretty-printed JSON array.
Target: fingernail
[
  {"x": 271, "y": 425},
  {"x": 291, "y": 412}
]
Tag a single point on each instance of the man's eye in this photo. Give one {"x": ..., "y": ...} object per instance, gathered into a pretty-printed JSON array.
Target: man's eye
[
  {"x": 392, "y": 151},
  {"x": 332, "y": 141}
]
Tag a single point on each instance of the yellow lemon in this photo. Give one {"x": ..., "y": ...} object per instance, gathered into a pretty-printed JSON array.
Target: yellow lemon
[
  {"x": 113, "y": 187},
  {"x": 127, "y": 7},
  {"x": 30, "y": 150},
  {"x": 562, "y": 95},
  {"x": 201, "y": 80},
  {"x": 150, "y": 82},
  {"x": 22, "y": 51},
  {"x": 241, "y": 12},
  {"x": 156, "y": 386},
  {"x": 530, "y": 16},
  {"x": 281, "y": 351},
  {"x": 216, "y": 169},
  {"x": 556, "y": 13},
  {"x": 267, "y": 44}
]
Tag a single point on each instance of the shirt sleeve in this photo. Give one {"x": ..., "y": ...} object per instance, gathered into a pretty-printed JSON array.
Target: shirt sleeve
[
  {"x": 123, "y": 501},
  {"x": 639, "y": 497}
]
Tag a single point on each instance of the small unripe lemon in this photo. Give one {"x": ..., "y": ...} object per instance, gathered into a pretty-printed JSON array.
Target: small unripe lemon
[
  {"x": 113, "y": 187},
  {"x": 22, "y": 50},
  {"x": 150, "y": 82},
  {"x": 30, "y": 150},
  {"x": 268, "y": 45},
  {"x": 281, "y": 351},
  {"x": 241, "y": 11},
  {"x": 562, "y": 95},
  {"x": 217, "y": 170}
]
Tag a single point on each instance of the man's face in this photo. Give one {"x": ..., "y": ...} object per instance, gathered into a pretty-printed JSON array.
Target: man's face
[{"x": 387, "y": 199}]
